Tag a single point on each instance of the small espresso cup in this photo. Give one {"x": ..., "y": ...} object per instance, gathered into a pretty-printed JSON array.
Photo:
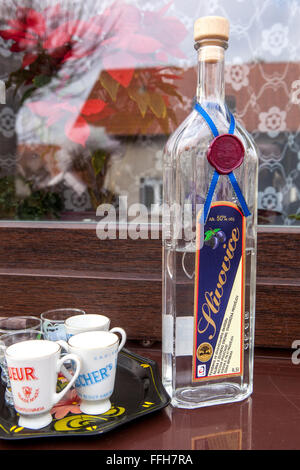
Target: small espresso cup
[
  {"x": 7, "y": 340},
  {"x": 88, "y": 322},
  {"x": 33, "y": 367},
  {"x": 98, "y": 352}
]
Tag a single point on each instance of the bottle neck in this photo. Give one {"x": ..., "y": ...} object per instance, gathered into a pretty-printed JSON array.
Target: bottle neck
[{"x": 211, "y": 86}]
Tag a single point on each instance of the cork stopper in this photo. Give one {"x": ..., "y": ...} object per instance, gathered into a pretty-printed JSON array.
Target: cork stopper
[
  {"x": 211, "y": 27},
  {"x": 211, "y": 31},
  {"x": 2, "y": 92}
]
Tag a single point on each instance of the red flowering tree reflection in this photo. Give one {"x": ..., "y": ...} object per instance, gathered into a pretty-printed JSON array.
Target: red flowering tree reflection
[
  {"x": 133, "y": 92},
  {"x": 127, "y": 41},
  {"x": 47, "y": 40}
]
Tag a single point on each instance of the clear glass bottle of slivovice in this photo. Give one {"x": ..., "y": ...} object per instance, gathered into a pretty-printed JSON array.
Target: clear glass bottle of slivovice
[{"x": 209, "y": 265}]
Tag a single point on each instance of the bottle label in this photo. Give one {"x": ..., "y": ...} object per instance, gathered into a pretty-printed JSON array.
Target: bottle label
[{"x": 219, "y": 294}]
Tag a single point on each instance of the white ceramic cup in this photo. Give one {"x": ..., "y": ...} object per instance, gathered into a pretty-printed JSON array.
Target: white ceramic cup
[
  {"x": 88, "y": 322},
  {"x": 7, "y": 340},
  {"x": 98, "y": 352},
  {"x": 33, "y": 367}
]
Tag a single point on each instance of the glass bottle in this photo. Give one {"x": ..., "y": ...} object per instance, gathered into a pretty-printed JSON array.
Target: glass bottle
[{"x": 208, "y": 312}]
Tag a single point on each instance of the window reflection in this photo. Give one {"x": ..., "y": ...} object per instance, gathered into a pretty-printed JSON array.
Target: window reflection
[
  {"x": 94, "y": 88},
  {"x": 85, "y": 86}
]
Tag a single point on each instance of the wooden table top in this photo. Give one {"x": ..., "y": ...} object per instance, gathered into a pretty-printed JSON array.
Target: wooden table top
[{"x": 269, "y": 419}]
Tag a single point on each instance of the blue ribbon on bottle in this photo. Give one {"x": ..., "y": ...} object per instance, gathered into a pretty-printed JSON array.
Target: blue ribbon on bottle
[{"x": 216, "y": 174}]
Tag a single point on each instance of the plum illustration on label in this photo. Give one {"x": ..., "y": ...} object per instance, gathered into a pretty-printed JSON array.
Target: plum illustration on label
[
  {"x": 219, "y": 294},
  {"x": 214, "y": 237}
]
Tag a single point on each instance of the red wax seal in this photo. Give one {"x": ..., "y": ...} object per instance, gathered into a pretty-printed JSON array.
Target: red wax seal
[{"x": 226, "y": 153}]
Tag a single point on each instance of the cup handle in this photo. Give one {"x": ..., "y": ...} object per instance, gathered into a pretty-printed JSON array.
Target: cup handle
[
  {"x": 68, "y": 357},
  {"x": 122, "y": 332},
  {"x": 63, "y": 344},
  {"x": 65, "y": 371}
]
